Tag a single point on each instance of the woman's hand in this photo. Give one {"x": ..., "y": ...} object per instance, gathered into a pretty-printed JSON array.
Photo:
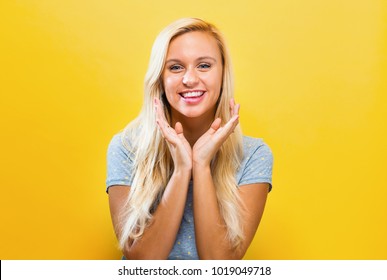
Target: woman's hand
[
  {"x": 209, "y": 143},
  {"x": 178, "y": 145}
]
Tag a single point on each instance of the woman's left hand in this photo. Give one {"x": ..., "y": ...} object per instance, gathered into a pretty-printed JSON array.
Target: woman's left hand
[{"x": 209, "y": 143}]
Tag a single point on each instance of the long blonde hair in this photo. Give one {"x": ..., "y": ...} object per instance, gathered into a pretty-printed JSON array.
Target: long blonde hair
[{"x": 153, "y": 162}]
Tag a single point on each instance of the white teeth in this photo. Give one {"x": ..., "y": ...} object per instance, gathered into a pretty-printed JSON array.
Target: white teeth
[{"x": 193, "y": 94}]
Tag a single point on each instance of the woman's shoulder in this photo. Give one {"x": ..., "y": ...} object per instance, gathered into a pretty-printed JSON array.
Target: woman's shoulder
[
  {"x": 252, "y": 145},
  {"x": 257, "y": 163},
  {"x": 121, "y": 143},
  {"x": 116, "y": 142},
  {"x": 120, "y": 160}
]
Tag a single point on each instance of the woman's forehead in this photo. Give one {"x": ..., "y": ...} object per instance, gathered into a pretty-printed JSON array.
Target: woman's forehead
[{"x": 193, "y": 44}]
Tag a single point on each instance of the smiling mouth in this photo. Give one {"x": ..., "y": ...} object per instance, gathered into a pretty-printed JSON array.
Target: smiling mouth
[{"x": 192, "y": 94}]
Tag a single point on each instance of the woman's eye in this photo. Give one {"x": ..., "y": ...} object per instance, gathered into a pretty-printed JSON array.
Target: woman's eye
[
  {"x": 175, "y": 67},
  {"x": 204, "y": 66}
]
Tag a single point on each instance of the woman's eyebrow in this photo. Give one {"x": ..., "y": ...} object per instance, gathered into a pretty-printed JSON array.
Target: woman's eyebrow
[
  {"x": 175, "y": 60},
  {"x": 172, "y": 60},
  {"x": 206, "y": 57}
]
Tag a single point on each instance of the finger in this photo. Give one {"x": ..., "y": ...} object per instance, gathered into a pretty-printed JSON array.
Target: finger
[
  {"x": 234, "y": 121},
  {"x": 180, "y": 132},
  {"x": 215, "y": 126},
  {"x": 161, "y": 127},
  {"x": 229, "y": 127},
  {"x": 236, "y": 109},
  {"x": 178, "y": 128},
  {"x": 168, "y": 133},
  {"x": 160, "y": 113},
  {"x": 159, "y": 118},
  {"x": 232, "y": 104},
  {"x": 159, "y": 109}
]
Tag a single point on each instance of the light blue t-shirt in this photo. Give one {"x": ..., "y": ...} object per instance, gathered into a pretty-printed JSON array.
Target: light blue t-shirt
[{"x": 256, "y": 167}]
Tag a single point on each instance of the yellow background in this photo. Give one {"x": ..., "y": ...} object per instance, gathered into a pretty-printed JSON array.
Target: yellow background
[{"x": 311, "y": 80}]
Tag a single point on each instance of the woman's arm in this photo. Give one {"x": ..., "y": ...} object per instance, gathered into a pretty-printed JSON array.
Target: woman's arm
[
  {"x": 210, "y": 229},
  {"x": 159, "y": 237}
]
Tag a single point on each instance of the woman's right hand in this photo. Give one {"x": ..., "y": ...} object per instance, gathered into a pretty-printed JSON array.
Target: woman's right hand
[{"x": 178, "y": 145}]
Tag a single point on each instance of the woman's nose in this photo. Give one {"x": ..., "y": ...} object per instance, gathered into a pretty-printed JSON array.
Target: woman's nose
[{"x": 190, "y": 78}]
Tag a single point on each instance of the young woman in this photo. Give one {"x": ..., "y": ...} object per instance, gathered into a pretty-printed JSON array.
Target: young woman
[{"x": 183, "y": 182}]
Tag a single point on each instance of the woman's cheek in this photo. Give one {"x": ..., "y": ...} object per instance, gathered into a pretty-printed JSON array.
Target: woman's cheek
[{"x": 169, "y": 83}]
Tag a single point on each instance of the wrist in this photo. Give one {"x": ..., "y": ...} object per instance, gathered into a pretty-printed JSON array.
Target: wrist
[
  {"x": 200, "y": 167},
  {"x": 182, "y": 173},
  {"x": 198, "y": 162}
]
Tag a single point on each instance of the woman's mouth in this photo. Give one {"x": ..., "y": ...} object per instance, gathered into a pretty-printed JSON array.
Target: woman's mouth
[
  {"x": 192, "y": 94},
  {"x": 192, "y": 97}
]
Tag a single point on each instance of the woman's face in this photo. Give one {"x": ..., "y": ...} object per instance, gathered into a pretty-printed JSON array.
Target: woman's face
[{"x": 192, "y": 75}]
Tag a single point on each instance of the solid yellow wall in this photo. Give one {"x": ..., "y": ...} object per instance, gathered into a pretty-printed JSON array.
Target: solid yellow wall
[{"x": 310, "y": 77}]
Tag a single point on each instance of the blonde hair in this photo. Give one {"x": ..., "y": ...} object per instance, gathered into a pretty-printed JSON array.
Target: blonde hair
[{"x": 153, "y": 162}]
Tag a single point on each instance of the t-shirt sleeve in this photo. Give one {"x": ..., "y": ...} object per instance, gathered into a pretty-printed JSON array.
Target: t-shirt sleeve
[
  {"x": 119, "y": 163},
  {"x": 258, "y": 167}
]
